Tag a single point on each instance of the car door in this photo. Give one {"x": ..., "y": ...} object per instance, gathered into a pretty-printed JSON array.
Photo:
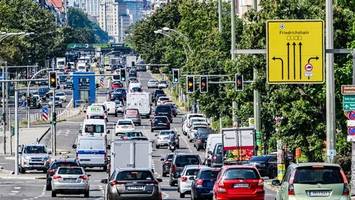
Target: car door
[{"x": 282, "y": 194}]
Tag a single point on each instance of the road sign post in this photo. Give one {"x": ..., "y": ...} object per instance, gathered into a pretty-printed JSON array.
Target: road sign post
[{"x": 295, "y": 50}]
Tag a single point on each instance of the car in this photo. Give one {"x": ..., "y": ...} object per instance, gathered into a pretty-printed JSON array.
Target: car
[
  {"x": 124, "y": 125},
  {"x": 163, "y": 84},
  {"x": 35, "y": 102},
  {"x": 186, "y": 120},
  {"x": 166, "y": 163},
  {"x": 119, "y": 107},
  {"x": 193, "y": 130},
  {"x": 180, "y": 160},
  {"x": 174, "y": 109},
  {"x": 239, "y": 182},
  {"x": 70, "y": 180},
  {"x": 162, "y": 100},
  {"x": 202, "y": 186},
  {"x": 127, "y": 135},
  {"x": 33, "y": 157},
  {"x": 53, "y": 166},
  {"x": 61, "y": 96},
  {"x": 116, "y": 84},
  {"x": 159, "y": 123},
  {"x": 188, "y": 174},
  {"x": 201, "y": 138},
  {"x": 57, "y": 102},
  {"x": 68, "y": 84},
  {"x": 134, "y": 115},
  {"x": 152, "y": 83},
  {"x": 110, "y": 107},
  {"x": 163, "y": 138},
  {"x": 157, "y": 94},
  {"x": 132, "y": 184},
  {"x": 266, "y": 164},
  {"x": 216, "y": 155},
  {"x": 164, "y": 110},
  {"x": 313, "y": 181},
  {"x": 118, "y": 94}
]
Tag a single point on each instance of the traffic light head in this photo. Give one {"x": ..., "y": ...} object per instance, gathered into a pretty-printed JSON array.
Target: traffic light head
[
  {"x": 175, "y": 75},
  {"x": 190, "y": 84},
  {"x": 204, "y": 84},
  {"x": 123, "y": 74},
  {"x": 52, "y": 80},
  {"x": 239, "y": 86}
]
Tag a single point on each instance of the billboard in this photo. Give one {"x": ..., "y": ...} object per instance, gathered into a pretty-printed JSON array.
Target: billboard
[{"x": 238, "y": 143}]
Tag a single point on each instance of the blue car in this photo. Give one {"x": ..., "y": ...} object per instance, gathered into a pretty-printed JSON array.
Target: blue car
[{"x": 202, "y": 186}]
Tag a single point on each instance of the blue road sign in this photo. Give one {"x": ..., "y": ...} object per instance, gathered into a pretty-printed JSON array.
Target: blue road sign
[{"x": 351, "y": 130}]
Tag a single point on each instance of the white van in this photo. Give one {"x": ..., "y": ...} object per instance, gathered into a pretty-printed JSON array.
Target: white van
[
  {"x": 111, "y": 107},
  {"x": 212, "y": 140},
  {"x": 140, "y": 101},
  {"x": 94, "y": 127},
  {"x": 91, "y": 151},
  {"x": 96, "y": 112}
]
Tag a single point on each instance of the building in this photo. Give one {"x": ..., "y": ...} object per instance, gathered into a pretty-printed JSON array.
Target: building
[
  {"x": 90, "y": 7},
  {"x": 242, "y": 6},
  {"x": 109, "y": 18},
  {"x": 56, "y": 7}
]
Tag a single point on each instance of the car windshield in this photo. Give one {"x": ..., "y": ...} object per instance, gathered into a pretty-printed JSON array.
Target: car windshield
[
  {"x": 133, "y": 134},
  {"x": 163, "y": 98},
  {"x": 160, "y": 120},
  {"x": 134, "y": 175},
  {"x": 192, "y": 172},
  {"x": 75, "y": 170},
  {"x": 124, "y": 123},
  {"x": 165, "y": 133},
  {"x": 184, "y": 160},
  {"x": 116, "y": 77},
  {"x": 137, "y": 89},
  {"x": 208, "y": 174},
  {"x": 131, "y": 112},
  {"x": 259, "y": 159},
  {"x": 318, "y": 175},
  {"x": 219, "y": 149},
  {"x": 202, "y": 134},
  {"x": 61, "y": 164},
  {"x": 163, "y": 109},
  {"x": 35, "y": 149},
  {"x": 240, "y": 173},
  {"x": 94, "y": 128},
  {"x": 60, "y": 94}
]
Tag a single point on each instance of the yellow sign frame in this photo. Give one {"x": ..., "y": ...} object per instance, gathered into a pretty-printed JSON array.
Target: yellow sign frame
[{"x": 295, "y": 51}]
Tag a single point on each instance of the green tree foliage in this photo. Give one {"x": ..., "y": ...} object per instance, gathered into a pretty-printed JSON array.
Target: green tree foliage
[{"x": 301, "y": 106}]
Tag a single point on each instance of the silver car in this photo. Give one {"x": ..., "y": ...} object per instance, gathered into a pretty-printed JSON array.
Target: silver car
[
  {"x": 163, "y": 138},
  {"x": 71, "y": 180},
  {"x": 152, "y": 83}
]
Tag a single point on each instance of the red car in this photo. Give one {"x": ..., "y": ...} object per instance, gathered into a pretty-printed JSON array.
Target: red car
[
  {"x": 116, "y": 84},
  {"x": 238, "y": 182}
]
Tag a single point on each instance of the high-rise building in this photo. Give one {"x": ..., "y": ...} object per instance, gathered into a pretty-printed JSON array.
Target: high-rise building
[
  {"x": 90, "y": 7},
  {"x": 109, "y": 18}
]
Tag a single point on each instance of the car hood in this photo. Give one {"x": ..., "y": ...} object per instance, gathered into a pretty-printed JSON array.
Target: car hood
[{"x": 36, "y": 155}]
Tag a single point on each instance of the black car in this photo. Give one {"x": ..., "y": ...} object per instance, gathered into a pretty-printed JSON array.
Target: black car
[
  {"x": 180, "y": 160},
  {"x": 53, "y": 166},
  {"x": 201, "y": 138},
  {"x": 216, "y": 156},
  {"x": 119, "y": 94},
  {"x": 157, "y": 94},
  {"x": 164, "y": 110},
  {"x": 132, "y": 184},
  {"x": 167, "y": 163},
  {"x": 202, "y": 186},
  {"x": 159, "y": 123},
  {"x": 266, "y": 164},
  {"x": 173, "y": 108}
]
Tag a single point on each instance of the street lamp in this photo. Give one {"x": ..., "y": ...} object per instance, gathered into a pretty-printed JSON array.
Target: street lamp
[{"x": 167, "y": 29}]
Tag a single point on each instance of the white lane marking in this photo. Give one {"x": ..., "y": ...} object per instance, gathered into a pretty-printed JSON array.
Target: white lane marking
[{"x": 17, "y": 188}]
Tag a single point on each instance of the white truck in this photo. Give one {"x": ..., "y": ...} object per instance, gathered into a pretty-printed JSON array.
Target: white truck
[
  {"x": 131, "y": 154},
  {"x": 131, "y": 61},
  {"x": 60, "y": 63},
  {"x": 140, "y": 101}
]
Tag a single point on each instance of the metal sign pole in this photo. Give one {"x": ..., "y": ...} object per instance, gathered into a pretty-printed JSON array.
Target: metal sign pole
[{"x": 16, "y": 132}]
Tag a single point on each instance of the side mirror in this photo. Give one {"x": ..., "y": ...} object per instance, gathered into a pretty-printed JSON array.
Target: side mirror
[
  {"x": 104, "y": 181},
  {"x": 108, "y": 131},
  {"x": 74, "y": 146},
  {"x": 159, "y": 180},
  {"x": 191, "y": 178},
  {"x": 275, "y": 182}
]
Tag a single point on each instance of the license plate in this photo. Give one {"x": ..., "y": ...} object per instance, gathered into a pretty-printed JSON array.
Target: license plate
[
  {"x": 135, "y": 188},
  {"x": 69, "y": 180},
  {"x": 318, "y": 193},
  {"x": 241, "y": 185}
]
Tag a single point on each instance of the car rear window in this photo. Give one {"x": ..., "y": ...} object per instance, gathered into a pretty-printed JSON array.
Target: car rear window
[
  {"x": 131, "y": 112},
  {"x": 184, "y": 160},
  {"x": 134, "y": 175},
  {"x": 70, "y": 171},
  {"x": 208, "y": 174},
  {"x": 160, "y": 119},
  {"x": 316, "y": 175},
  {"x": 94, "y": 128},
  {"x": 124, "y": 123},
  {"x": 63, "y": 164},
  {"x": 35, "y": 149},
  {"x": 240, "y": 173},
  {"x": 163, "y": 109},
  {"x": 192, "y": 172}
]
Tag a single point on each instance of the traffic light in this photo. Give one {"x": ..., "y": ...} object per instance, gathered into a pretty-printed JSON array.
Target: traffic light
[
  {"x": 123, "y": 74},
  {"x": 54, "y": 117},
  {"x": 28, "y": 101},
  {"x": 204, "y": 84},
  {"x": 52, "y": 80},
  {"x": 175, "y": 75},
  {"x": 239, "y": 86},
  {"x": 190, "y": 86}
]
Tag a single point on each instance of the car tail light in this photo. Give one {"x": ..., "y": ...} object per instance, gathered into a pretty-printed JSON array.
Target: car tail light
[
  {"x": 261, "y": 183},
  {"x": 199, "y": 183},
  {"x": 291, "y": 189},
  {"x": 221, "y": 187},
  {"x": 84, "y": 177},
  {"x": 183, "y": 178},
  {"x": 56, "y": 177}
]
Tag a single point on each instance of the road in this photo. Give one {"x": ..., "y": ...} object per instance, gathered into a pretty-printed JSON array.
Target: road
[{"x": 31, "y": 186}]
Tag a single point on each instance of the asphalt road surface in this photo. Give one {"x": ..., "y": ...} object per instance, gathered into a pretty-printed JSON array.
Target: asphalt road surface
[{"x": 31, "y": 186}]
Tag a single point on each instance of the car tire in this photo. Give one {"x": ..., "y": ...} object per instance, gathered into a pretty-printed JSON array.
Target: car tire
[
  {"x": 22, "y": 170},
  {"x": 87, "y": 194},
  {"x": 104, "y": 168},
  {"x": 151, "y": 130},
  {"x": 54, "y": 193},
  {"x": 182, "y": 195}
]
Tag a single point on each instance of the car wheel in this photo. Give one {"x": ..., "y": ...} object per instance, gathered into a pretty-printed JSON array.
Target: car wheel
[
  {"x": 182, "y": 195},
  {"x": 54, "y": 193},
  {"x": 22, "y": 170},
  {"x": 87, "y": 194}
]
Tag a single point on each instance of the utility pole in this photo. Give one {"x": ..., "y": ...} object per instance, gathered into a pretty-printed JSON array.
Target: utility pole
[
  {"x": 53, "y": 116},
  {"x": 3, "y": 109},
  {"x": 233, "y": 28},
  {"x": 257, "y": 103},
  {"x": 16, "y": 131},
  {"x": 220, "y": 16},
  {"x": 330, "y": 96}
]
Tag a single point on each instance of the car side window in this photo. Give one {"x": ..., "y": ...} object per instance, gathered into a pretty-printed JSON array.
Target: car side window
[{"x": 113, "y": 175}]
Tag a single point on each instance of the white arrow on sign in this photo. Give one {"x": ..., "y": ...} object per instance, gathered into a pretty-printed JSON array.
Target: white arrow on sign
[{"x": 350, "y": 122}]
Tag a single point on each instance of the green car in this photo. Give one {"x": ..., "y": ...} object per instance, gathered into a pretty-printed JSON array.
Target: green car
[{"x": 313, "y": 181}]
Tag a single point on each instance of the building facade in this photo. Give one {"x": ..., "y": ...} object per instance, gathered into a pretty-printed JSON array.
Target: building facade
[
  {"x": 109, "y": 18},
  {"x": 90, "y": 7}
]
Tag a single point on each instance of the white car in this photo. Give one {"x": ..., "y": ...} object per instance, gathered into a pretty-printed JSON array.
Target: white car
[
  {"x": 163, "y": 138},
  {"x": 119, "y": 107},
  {"x": 152, "y": 83},
  {"x": 187, "y": 117},
  {"x": 111, "y": 107},
  {"x": 124, "y": 125},
  {"x": 163, "y": 84},
  {"x": 184, "y": 182},
  {"x": 61, "y": 96},
  {"x": 162, "y": 100}
]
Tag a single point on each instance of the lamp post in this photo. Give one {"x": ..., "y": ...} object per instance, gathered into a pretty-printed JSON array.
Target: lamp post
[{"x": 167, "y": 29}]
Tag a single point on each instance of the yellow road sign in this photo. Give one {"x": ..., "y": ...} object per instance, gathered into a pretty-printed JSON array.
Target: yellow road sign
[{"x": 295, "y": 51}]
